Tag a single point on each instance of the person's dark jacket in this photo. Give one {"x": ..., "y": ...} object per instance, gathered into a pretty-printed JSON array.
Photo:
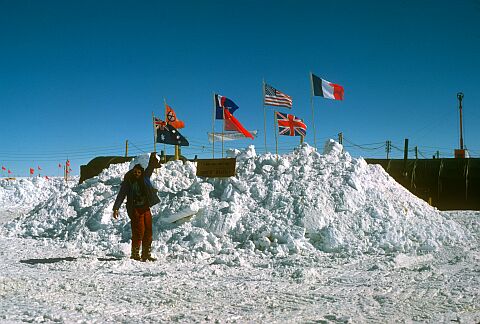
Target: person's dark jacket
[{"x": 126, "y": 189}]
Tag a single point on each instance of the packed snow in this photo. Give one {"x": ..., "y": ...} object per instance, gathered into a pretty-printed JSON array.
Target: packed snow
[{"x": 305, "y": 236}]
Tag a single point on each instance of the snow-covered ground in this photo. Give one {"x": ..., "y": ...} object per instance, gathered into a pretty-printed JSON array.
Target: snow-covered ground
[{"x": 304, "y": 237}]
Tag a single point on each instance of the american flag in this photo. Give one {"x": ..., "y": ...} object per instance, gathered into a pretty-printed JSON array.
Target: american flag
[
  {"x": 290, "y": 125},
  {"x": 273, "y": 97}
]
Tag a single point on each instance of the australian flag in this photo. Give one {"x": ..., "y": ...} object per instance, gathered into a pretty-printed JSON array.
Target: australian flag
[
  {"x": 168, "y": 134},
  {"x": 223, "y": 102},
  {"x": 290, "y": 125}
]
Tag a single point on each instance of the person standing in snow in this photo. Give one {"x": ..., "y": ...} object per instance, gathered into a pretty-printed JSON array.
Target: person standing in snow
[{"x": 136, "y": 186}]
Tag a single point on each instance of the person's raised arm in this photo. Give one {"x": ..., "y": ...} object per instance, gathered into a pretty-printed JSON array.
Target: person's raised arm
[{"x": 152, "y": 164}]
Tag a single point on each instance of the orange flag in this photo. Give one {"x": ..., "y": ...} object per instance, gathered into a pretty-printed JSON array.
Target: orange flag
[
  {"x": 228, "y": 116},
  {"x": 172, "y": 118}
]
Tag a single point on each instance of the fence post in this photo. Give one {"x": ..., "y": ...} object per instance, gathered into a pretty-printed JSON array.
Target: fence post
[{"x": 405, "y": 157}]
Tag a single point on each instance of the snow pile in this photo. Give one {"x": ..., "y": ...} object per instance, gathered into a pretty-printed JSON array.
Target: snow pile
[
  {"x": 291, "y": 204},
  {"x": 23, "y": 194}
]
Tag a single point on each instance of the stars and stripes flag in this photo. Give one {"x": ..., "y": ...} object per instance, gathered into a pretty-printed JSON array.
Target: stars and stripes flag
[
  {"x": 274, "y": 97},
  {"x": 290, "y": 125}
]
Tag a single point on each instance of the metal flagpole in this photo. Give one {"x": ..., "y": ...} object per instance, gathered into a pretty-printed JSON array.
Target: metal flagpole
[
  {"x": 223, "y": 112},
  {"x": 154, "y": 134},
  {"x": 275, "y": 129},
  {"x": 166, "y": 121},
  {"x": 154, "y": 137},
  {"x": 313, "y": 113},
  {"x": 264, "y": 115},
  {"x": 213, "y": 128}
]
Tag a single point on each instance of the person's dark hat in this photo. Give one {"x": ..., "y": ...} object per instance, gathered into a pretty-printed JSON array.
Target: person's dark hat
[{"x": 139, "y": 166}]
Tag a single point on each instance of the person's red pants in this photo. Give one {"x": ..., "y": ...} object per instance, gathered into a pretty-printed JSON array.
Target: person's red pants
[{"x": 141, "y": 222}]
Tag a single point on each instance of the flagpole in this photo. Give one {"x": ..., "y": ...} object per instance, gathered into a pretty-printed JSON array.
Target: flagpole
[
  {"x": 223, "y": 128},
  {"x": 154, "y": 134},
  {"x": 313, "y": 112},
  {"x": 213, "y": 128},
  {"x": 166, "y": 122},
  {"x": 275, "y": 128},
  {"x": 264, "y": 115}
]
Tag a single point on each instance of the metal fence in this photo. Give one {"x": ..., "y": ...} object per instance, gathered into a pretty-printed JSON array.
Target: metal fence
[{"x": 448, "y": 184}]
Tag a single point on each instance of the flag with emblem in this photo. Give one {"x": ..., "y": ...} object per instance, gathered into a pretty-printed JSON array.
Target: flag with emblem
[
  {"x": 172, "y": 118},
  {"x": 290, "y": 125},
  {"x": 273, "y": 97}
]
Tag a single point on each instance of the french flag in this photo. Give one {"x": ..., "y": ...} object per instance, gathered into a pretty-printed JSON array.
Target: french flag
[{"x": 326, "y": 89}]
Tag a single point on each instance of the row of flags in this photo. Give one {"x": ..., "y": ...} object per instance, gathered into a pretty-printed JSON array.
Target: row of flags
[
  {"x": 320, "y": 87},
  {"x": 32, "y": 170},
  {"x": 5, "y": 169},
  {"x": 166, "y": 131},
  {"x": 291, "y": 125}
]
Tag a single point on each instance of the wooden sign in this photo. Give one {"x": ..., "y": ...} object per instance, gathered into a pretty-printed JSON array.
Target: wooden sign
[{"x": 216, "y": 168}]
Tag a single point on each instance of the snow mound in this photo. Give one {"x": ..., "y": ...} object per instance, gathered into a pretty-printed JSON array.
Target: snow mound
[
  {"x": 279, "y": 205},
  {"x": 23, "y": 194}
]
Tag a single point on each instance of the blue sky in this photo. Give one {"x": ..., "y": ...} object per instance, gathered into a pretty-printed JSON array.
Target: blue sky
[{"x": 78, "y": 78}]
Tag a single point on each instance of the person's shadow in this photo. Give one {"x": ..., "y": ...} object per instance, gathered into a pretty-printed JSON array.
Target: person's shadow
[{"x": 55, "y": 260}]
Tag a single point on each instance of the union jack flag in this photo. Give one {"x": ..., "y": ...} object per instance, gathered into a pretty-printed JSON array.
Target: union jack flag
[
  {"x": 159, "y": 124},
  {"x": 290, "y": 125}
]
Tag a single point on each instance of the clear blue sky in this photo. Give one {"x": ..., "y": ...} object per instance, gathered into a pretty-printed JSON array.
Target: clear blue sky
[{"x": 78, "y": 78}]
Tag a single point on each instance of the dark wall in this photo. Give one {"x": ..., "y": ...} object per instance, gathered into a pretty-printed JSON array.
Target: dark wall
[
  {"x": 449, "y": 184},
  {"x": 95, "y": 166},
  {"x": 98, "y": 164}
]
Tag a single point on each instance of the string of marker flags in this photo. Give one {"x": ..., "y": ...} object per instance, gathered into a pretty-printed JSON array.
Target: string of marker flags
[
  {"x": 67, "y": 170},
  {"x": 166, "y": 131}
]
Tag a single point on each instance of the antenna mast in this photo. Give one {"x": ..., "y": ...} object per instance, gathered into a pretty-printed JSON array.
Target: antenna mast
[
  {"x": 460, "y": 98},
  {"x": 460, "y": 153}
]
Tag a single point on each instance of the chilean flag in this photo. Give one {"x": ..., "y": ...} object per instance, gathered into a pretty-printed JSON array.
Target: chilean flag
[
  {"x": 236, "y": 123},
  {"x": 326, "y": 89}
]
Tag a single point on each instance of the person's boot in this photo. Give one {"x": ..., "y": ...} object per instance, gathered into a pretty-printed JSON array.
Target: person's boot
[
  {"x": 146, "y": 256},
  {"x": 135, "y": 253}
]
